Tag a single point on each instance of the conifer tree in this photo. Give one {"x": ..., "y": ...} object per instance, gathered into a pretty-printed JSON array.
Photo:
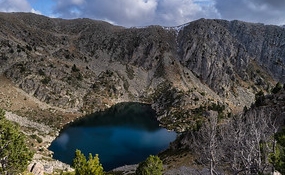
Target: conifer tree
[
  {"x": 94, "y": 166},
  {"x": 151, "y": 166},
  {"x": 79, "y": 162},
  {"x": 91, "y": 166},
  {"x": 14, "y": 152}
]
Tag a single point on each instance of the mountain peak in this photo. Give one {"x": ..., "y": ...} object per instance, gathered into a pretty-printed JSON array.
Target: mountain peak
[{"x": 228, "y": 61}]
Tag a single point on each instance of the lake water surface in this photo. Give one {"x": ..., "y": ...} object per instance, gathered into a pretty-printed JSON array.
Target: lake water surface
[{"x": 125, "y": 134}]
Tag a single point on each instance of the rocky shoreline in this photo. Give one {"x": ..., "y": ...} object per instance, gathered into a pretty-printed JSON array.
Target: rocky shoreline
[
  {"x": 44, "y": 163},
  {"x": 41, "y": 163}
]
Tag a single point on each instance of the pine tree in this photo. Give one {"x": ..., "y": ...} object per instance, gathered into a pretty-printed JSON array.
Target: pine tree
[
  {"x": 151, "y": 166},
  {"x": 90, "y": 167},
  {"x": 79, "y": 163},
  {"x": 14, "y": 152},
  {"x": 94, "y": 166}
]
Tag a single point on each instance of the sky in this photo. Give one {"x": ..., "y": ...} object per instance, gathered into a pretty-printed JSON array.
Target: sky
[{"x": 134, "y": 13}]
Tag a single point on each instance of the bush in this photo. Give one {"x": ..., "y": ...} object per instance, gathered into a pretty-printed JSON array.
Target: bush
[
  {"x": 46, "y": 80},
  {"x": 41, "y": 72},
  {"x": 151, "y": 166},
  {"x": 277, "y": 88},
  {"x": 277, "y": 157},
  {"x": 88, "y": 167},
  {"x": 14, "y": 152},
  {"x": 39, "y": 139},
  {"x": 29, "y": 47},
  {"x": 74, "y": 68},
  {"x": 259, "y": 98}
]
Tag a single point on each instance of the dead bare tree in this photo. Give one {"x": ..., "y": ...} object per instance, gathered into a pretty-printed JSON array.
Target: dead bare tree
[
  {"x": 249, "y": 141},
  {"x": 207, "y": 143},
  {"x": 241, "y": 143}
]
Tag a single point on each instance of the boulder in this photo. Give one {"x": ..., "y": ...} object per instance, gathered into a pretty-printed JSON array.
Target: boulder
[{"x": 36, "y": 168}]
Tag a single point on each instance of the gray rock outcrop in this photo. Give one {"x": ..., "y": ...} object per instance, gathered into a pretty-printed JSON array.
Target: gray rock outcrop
[
  {"x": 88, "y": 65},
  {"x": 36, "y": 169}
]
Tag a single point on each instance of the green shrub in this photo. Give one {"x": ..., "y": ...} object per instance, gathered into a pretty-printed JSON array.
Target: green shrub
[
  {"x": 277, "y": 157},
  {"x": 277, "y": 88},
  {"x": 29, "y": 47},
  {"x": 14, "y": 153},
  {"x": 92, "y": 166},
  {"x": 74, "y": 68},
  {"x": 151, "y": 166},
  {"x": 259, "y": 98},
  {"x": 39, "y": 139},
  {"x": 46, "y": 80},
  {"x": 41, "y": 72}
]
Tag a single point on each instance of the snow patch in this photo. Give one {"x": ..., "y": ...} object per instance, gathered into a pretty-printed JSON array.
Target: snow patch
[{"x": 177, "y": 29}]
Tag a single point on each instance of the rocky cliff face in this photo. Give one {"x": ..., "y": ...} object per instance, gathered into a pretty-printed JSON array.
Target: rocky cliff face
[
  {"x": 241, "y": 52},
  {"x": 89, "y": 65}
]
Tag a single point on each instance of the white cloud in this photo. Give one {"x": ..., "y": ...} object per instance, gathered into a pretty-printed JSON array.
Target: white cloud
[
  {"x": 140, "y": 8},
  {"x": 77, "y": 2},
  {"x": 15, "y": 6},
  {"x": 35, "y": 11},
  {"x": 264, "y": 11},
  {"x": 125, "y": 12},
  {"x": 154, "y": 12},
  {"x": 138, "y": 12},
  {"x": 173, "y": 12}
]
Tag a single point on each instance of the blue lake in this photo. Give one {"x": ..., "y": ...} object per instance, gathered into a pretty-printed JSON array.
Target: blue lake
[{"x": 125, "y": 134}]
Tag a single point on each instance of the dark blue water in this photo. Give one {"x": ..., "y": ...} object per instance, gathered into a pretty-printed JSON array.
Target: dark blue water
[{"x": 125, "y": 134}]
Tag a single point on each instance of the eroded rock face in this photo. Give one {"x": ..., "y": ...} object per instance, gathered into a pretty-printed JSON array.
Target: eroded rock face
[
  {"x": 213, "y": 55},
  {"x": 216, "y": 47},
  {"x": 89, "y": 65}
]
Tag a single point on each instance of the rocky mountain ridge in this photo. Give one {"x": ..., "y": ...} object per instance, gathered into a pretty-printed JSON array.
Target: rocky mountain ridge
[{"x": 85, "y": 65}]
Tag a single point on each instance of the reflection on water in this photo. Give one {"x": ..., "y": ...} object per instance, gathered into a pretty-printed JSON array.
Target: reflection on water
[{"x": 117, "y": 143}]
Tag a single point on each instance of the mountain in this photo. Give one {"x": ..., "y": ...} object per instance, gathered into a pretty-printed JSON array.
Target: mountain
[
  {"x": 75, "y": 67},
  {"x": 88, "y": 65}
]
